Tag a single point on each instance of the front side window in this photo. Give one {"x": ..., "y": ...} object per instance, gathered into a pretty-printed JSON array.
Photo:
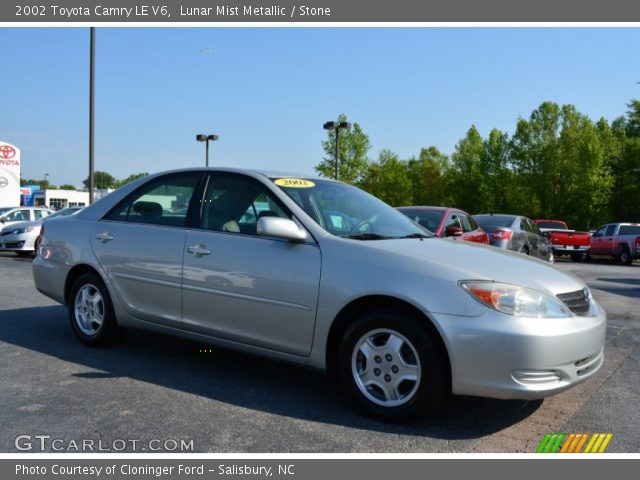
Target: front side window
[
  {"x": 234, "y": 204},
  {"x": 162, "y": 201},
  {"x": 610, "y": 230},
  {"x": 346, "y": 211}
]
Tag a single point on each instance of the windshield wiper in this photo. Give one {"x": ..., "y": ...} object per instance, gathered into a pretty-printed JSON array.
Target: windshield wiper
[
  {"x": 367, "y": 236},
  {"x": 416, "y": 235}
]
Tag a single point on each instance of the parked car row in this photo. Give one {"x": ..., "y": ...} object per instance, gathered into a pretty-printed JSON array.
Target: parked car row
[
  {"x": 510, "y": 232},
  {"x": 319, "y": 273},
  {"x": 544, "y": 239},
  {"x": 20, "y": 227}
]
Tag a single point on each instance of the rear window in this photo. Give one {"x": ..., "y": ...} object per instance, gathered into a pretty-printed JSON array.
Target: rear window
[
  {"x": 551, "y": 225},
  {"x": 629, "y": 230},
  {"x": 494, "y": 220}
]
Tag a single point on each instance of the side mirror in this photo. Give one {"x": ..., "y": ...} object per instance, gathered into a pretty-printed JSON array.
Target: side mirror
[
  {"x": 453, "y": 232},
  {"x": 2, "y": 219},
  {"x": 280, "y": 228}
]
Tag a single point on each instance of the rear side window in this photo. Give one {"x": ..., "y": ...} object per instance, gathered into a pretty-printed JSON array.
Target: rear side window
[
  {"x": 524, "y": 225},
  {"x": 629, "y": 230},
  {"x": 40, "y": 214},
  {"x": 162, "y": 201}
]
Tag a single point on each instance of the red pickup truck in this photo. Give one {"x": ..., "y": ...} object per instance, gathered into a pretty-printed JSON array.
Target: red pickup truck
[{"x": 564, "y": 240}]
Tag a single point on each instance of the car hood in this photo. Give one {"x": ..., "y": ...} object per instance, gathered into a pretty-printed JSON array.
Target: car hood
[{"x": 457, "y": 261}]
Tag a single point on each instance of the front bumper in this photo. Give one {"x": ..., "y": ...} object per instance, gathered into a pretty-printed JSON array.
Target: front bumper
[
  {"x": 15, "y": 243},
  {"x": 499, "y": 356}
]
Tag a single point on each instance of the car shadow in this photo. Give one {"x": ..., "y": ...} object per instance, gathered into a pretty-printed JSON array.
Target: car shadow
[{"x": 242, "y": 380}]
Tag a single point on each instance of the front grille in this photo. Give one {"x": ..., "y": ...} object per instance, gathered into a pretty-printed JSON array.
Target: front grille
[{"x": 577, "y": 302}]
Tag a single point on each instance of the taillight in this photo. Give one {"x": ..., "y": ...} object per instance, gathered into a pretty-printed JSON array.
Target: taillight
[
  {"x": 40, "y": 237},
  {"x": 637, "y": 242},
  {"x": 500, "y": 234}
]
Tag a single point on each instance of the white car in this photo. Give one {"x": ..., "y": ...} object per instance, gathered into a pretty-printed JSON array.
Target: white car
[
  {"x": 12, "y": 215},
  {"x": 22, "y": 237}
]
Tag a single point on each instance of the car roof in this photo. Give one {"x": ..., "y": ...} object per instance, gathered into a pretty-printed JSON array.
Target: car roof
[
  {"x": 246, "y": 171},
  {"x": 428, "y": 208}
]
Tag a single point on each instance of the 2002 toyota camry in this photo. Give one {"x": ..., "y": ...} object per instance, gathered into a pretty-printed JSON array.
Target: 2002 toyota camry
[{"x": 322, "y": 274}]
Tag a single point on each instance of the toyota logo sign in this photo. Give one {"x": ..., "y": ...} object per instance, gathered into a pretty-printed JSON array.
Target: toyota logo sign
[{"x": 7, "y": 151}]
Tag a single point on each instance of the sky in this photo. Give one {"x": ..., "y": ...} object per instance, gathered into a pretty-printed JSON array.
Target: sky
[{"x": 267, "y": 91}]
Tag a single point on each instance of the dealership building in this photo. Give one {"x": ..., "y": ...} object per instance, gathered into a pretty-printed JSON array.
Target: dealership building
[{"x": 9, "y": 175}]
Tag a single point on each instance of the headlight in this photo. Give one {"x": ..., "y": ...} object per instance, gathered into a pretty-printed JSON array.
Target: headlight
[
  {"x": 18, "y": 231},
  {"x": 515, "y": 300}
]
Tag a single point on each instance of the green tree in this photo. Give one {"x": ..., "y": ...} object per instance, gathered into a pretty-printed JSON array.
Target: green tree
[
  {"x": 388, "y": 179},
  {"x": 130, "y": 178},
  {"x": 625, "y": 167},
  {"x": 561, "y": 157},
  {"x": 426, "y": 175},
  {"x": 101, "y": 180},
  {"x": 464, "y": 180},
  {"x": 353, "y": 147},
  {"x": 67, "y": 186}
]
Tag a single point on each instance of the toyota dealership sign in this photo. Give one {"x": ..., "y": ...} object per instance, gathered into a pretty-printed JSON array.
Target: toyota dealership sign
[{"x": 9, "y": 175}]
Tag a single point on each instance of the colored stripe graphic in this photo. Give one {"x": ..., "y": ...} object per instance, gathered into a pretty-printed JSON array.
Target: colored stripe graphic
[{"x": 574, "y": 442}]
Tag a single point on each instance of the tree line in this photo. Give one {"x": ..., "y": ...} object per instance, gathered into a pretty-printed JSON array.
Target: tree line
[
  {"x": 102, "y": 180},
  {"x": 558, "y": 164}
]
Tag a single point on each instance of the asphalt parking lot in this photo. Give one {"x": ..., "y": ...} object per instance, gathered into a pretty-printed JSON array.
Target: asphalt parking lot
[{"x": 152, "y": 387}]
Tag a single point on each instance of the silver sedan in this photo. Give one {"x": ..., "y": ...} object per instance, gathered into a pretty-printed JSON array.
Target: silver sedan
[{"x": 321, "y": 274}]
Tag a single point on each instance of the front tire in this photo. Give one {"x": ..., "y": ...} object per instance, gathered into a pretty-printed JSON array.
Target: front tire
[
  {"x": 391, "y": 365},
  {"x": 91, "y": 312}
]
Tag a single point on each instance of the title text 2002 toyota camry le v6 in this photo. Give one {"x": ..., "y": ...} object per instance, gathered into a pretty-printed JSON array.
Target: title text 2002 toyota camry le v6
[{"x": 322, "y": 274}]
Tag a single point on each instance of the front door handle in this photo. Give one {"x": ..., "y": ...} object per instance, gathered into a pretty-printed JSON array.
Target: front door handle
[
  {"x": 104, "y": 236},
  {"x": 198, "y": 249}
]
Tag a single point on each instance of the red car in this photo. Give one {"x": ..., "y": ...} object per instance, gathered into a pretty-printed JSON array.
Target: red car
[{"x": 447, "y": 222}]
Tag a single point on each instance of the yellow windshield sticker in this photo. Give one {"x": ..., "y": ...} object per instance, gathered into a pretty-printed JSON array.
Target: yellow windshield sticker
[{"x": 294, "y": 183}]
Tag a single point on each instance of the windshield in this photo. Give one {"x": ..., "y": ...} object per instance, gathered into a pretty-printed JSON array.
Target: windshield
[
  {"x": 494, "y": 220},
  {"x": 347, "y": 211},
  {"x": 429, "y": 219},
  {"x": 4, "y": 210}
]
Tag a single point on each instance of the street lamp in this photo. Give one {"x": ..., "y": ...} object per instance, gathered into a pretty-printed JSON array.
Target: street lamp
[
  {"x": 201, "y": 137},
  {"x": 46, "y": 182},
  {"x": 336, "y": 126}
]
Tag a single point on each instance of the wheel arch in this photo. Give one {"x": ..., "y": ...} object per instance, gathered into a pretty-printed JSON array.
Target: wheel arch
[
  {"x": 76, "y": 272},
  {"x": 371, "y": 303}
]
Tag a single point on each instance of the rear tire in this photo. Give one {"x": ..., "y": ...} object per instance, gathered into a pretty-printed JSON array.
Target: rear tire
[
  {"x": 577, "y": 257},
  {"x": 391, "y": 365},
  {"x": 91, "y": 312},
  {"x": 525, "y": 251},
  {"x": 624, "y": 256}
]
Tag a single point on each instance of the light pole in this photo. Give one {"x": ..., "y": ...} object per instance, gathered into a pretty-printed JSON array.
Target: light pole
[
  {"x": 201, "y": 137},
  {"x": 336, "y": 126},
  {"x": 92, "y": 85},
  {"x": 46, "y": 181}
]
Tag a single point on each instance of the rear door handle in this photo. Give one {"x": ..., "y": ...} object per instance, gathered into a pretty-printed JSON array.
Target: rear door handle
[
  {"x": 198, "y": 250},
  {"x": 104, "y": 236}
]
